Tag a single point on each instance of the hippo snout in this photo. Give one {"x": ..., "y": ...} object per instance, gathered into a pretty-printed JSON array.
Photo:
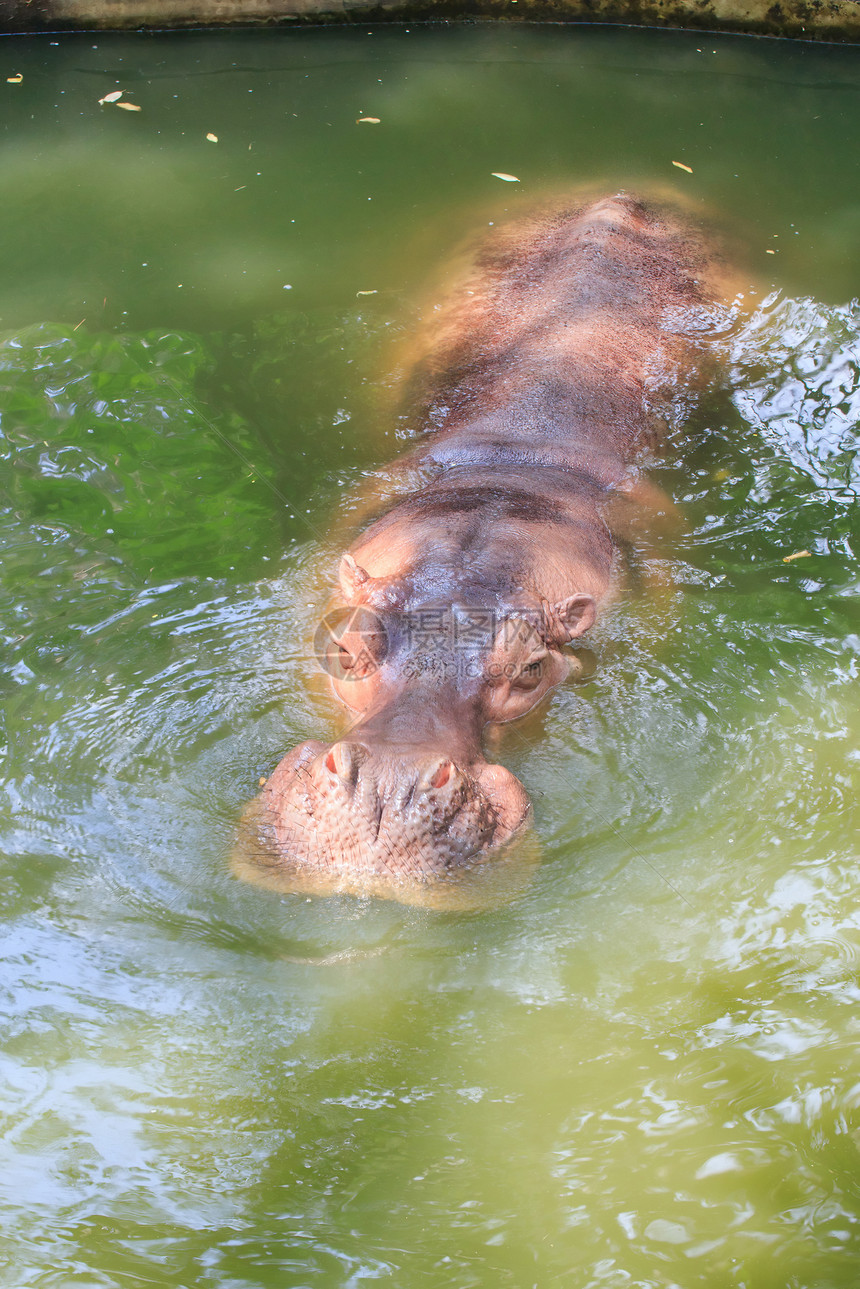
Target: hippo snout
[{"x": 354, "y": 809}]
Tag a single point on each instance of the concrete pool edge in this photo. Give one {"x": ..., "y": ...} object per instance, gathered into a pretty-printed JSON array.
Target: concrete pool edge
[{"x": 828, "y": 20}]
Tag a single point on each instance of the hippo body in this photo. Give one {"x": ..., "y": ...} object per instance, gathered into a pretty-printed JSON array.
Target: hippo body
[{"x": 535, "y": 395}]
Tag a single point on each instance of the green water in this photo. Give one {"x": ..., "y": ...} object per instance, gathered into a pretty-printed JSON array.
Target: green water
[{"x": 641, "y": 1072}]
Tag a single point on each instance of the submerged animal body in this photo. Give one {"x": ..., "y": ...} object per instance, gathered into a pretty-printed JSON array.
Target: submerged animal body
[{"x": 536, "y": 394}]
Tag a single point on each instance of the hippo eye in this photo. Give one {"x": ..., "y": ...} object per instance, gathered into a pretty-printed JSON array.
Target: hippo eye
[
  {"x": 345, "y": 658},
  {"x": 531, "y": 676}
]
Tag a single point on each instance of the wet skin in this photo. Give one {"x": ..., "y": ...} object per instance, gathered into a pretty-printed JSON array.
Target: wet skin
[{"x": 535, "y": 396}]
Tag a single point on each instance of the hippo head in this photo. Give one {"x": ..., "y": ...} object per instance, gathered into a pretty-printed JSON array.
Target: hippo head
[{"x": 407, "y": 793}]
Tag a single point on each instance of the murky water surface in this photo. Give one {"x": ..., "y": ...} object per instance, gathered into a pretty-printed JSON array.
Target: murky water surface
[{"x": 643, "y": 1071}]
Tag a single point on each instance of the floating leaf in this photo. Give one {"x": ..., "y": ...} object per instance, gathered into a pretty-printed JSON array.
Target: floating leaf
[
  {"x": 770, "y": 252},
  {"x": 786, "y": 559},
  {"x": 129, "y": 107},
  {"x": 112, "y": 97},
  {"x": 367, "y": 120},
  {"x": 213, "y": 138},
  {"x": 14, "y": 80},
  {"x": 365, "y": 293},
  {"x": 509, "y": 179},
  {"x": 681, "y": 166}
]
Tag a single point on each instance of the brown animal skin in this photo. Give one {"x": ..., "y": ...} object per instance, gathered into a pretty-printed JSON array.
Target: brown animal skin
[{"x": 535, "y": 398}]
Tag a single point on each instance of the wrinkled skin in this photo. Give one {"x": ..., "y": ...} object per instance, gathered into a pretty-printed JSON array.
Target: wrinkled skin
[{"x": 492, "y": 551}]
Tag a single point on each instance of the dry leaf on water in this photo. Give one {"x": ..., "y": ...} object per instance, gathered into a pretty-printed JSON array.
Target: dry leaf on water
[
  {"x": 213, "y": 138},
  {"x": 509, "y": 179},
  {"x": 681, "y": 166},
  {"x": 129, "y": 107},
  {"x": 14, "y": 80},
  {"x": 112, "y": 97},
  {"x": 367, "y": 120},
  {"x": 786, "y": 559}
]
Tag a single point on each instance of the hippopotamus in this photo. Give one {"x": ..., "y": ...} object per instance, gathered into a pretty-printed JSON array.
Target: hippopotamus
[{"x": 539, "y": 387}]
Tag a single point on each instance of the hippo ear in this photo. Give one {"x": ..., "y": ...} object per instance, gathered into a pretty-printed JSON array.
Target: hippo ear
[
  {"x": 569, "y": 618},
  {"x": 352, "y": 576}
]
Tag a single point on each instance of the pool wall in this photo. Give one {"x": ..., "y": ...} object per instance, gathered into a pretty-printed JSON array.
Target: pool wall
[{"x": 800, "y": 19}]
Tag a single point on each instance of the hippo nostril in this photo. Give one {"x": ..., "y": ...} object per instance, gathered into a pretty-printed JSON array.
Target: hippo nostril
[
  {"x": 441, "y": 774},
  {"x": 343, "y": 759}
]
